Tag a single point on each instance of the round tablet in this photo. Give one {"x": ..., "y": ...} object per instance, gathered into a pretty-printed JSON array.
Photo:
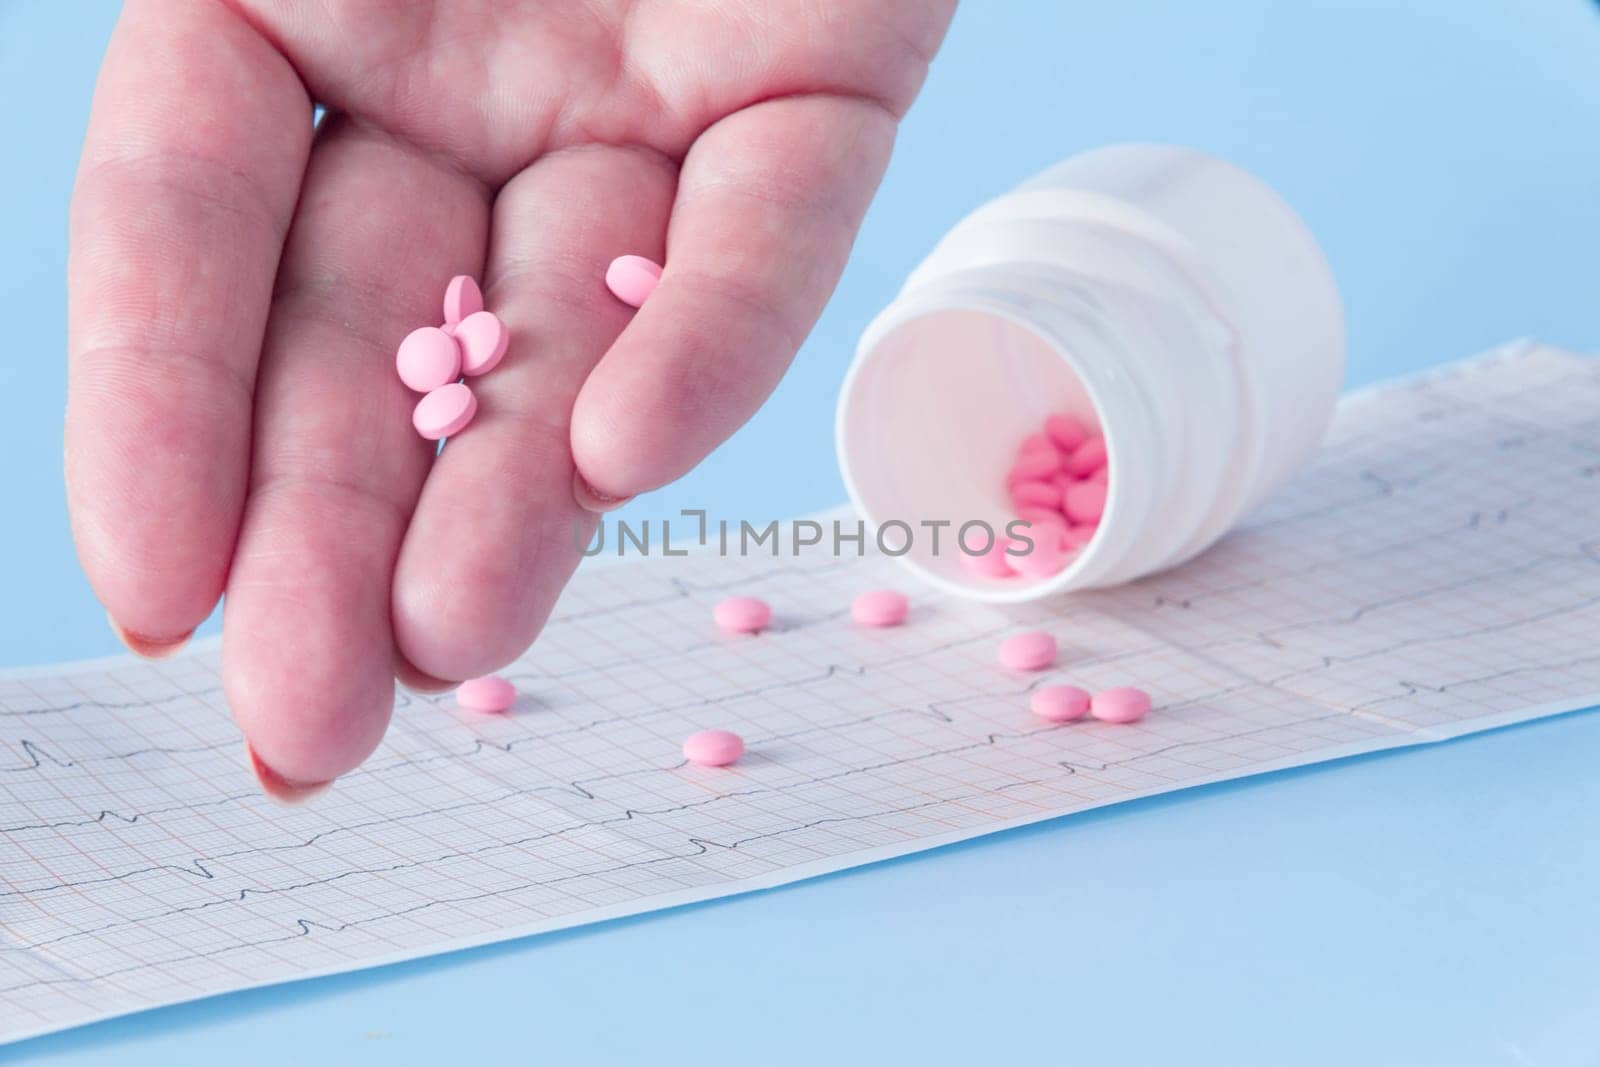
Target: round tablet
[
  {"x": 713, "y": 748},
  {"x": 483, "y": 339},
  {"x": 1067, "y": 432},
  {"x": 631, "y": 279},
  {"x": 1086, "y": 457},
  {"x": 1122, "y": 704},
  {"x": 742, "y": 614},
  {"x": 1035, "y": 495},
  {"x": 1033, "y": 650},
  {"x": 881, "y": 607},
  {"x": 1059, "y": 703},
  {"x": 1049, "y": 554},
  {"x": 1085, "y": 502},
  {"x": 427, "y": 359},
  {"x": 444, "y": 412},
  {"x": 462, "y": 297},
  {"x": 489, "y": 693},
  {"x": 990, "y": 563}
]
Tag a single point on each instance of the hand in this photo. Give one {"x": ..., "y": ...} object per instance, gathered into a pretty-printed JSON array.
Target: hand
[{"x": 239, "y": 284}]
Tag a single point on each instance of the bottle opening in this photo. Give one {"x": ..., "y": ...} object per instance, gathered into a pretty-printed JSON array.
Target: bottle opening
[{"x": 931, "y": 420}]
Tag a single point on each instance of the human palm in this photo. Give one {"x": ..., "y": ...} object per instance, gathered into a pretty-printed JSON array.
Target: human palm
[{"x": 238, "y": 283}]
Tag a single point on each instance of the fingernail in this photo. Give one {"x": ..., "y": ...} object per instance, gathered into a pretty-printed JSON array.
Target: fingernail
[
  {"x": 148, "y": 647},
  {"x": 415, "y": 680},
  {"x": 591, "y": 499},
  {"x": 277, "y": 786}
]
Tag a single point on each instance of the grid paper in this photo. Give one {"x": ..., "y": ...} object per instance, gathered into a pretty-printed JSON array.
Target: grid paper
[{"x": 1437, "y": 572}]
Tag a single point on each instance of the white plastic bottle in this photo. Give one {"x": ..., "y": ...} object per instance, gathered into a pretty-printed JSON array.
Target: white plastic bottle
[{"x": 1165, "y": 294}]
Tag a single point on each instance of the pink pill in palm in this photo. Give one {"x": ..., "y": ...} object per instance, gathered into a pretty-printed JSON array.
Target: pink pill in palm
[
  {"x": 1059, "y": 703},
  {"x": 742, "y": 614},
  {"x": 631, "y": 279},
  {"x": 713, "y": 748},
  {"x": 491, "y": 693},
  {"x": 444, "y": 412},
  {"x": 1086, "y": 457},
  {"x": 1033, "y": 650},
  {"x": 483, "y": 339},
  {"x": 881, "y": 607},
  {"x": 427, "y": 359},
  {"x": 1085, "y": 502},
  {"x": 462, "y": 297},
  {"x": 1122, "y": 704},
  {"x": 1065, "y": 431},
  {"x": 992, "y": 562}
]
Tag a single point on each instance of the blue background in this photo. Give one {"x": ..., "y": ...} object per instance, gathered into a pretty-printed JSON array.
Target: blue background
[{"x": 1432, "y": 905}]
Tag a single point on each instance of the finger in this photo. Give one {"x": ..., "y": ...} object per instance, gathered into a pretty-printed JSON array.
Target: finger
[
  {"x": 190, "y": 169},
  {"x": 768, "y": 204},
  {"x": 493, "y": 541},
  {"x": 307, "y": 647}
]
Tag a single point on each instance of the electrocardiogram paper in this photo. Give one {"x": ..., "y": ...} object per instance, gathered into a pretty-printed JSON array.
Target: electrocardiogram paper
[{"x": 1437, "y": 572}]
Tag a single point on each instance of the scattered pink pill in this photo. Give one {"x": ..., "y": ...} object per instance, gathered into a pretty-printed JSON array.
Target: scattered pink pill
[
  {"x": 742, "y": 614},
  {"x": 427, "y": 359},
  {"x": 1036, "y": 495},
  {"x": 1060, "y": 703},
  {"x": 1067, "y": 432},
  {"x": 483, "y": 339},
  {"x": 1086, "y": 457},
  {"x": 491, "y": 693},
  {"x": 991, "y": 563},
  {"x": 1085, "y": 502},
  {"x": 713, "y": 748},
  {"x": 881, "y": 607},
  {"x": 631, "y": 279},
  {"x": 1033, "y": 650},
  {"x": 462, "y": 297},
  {"x": 444, "y": 412},
  {"x": 1122, "y": 704}
]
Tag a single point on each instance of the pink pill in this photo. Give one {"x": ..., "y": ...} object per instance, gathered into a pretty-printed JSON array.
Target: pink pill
[
  {"x": 742, "y": 614},
  {"x": 1122, "y": 704},
  {"x": 1038, "y": 442},
  {"x": 1099, "y": 475},
  {"x": 489, "y": 694},
  {"x": 713, "y": 748},
  {"x": 444, "y": 412},
  {"x": 462, "y": 297},
  {"x": 427, "y": 359},
  {"x": 1033, "y": 467},
  {"x": 1031, "y": 651},
  {"x": 1060, "y": 703},
  {"x": 1078, "y": 535},
  {"x": 1067, "y": 432},
  {"x": 1049, "y": 554},
  {"x": 1086, "y": 502},
  {"x": 881, "y": 607},
  {"x": 991, "y": 563},
  {"x": 1035, "y": 495},
  {"x": 1086, "y": 457},
  {"x": 483, "y": 339},
  {"x": 631, "y": 279}
]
